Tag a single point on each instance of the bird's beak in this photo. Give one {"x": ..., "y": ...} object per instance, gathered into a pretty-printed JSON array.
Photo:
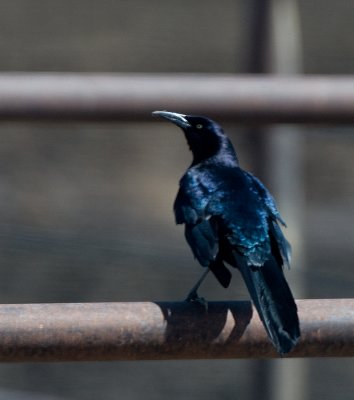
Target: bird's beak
[{"x": 178, "y": 119}]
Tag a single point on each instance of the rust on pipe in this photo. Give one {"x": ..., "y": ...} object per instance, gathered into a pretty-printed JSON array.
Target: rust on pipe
[
  {"x": 132, "y": 97},
  {"x": 165, "y": 330}
]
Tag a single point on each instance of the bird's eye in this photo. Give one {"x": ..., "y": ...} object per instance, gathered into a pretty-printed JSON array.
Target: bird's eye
[{"x": 199, "y": 126}]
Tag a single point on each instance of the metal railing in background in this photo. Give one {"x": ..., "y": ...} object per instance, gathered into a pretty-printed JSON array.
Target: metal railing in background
[
  {"x": 132, "y": 97},
  {"x": 165, "y": 331}
]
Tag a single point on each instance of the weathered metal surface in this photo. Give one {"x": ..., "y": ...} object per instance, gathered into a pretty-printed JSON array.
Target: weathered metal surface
[
  {"x": 104, "y": 97},
  {"x": 147, "y": 331}
]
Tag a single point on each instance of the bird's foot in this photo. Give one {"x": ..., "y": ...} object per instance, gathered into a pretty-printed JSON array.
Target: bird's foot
[{"x": 193, "y": 297}]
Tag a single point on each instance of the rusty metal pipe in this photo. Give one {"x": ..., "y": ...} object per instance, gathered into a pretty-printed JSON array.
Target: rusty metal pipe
[
  {"x": 165, "y": 330},
  {"x": 132, "y": 97}
]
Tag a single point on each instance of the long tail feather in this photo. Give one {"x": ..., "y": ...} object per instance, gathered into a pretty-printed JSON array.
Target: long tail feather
[{"x": 274, "y": 302}]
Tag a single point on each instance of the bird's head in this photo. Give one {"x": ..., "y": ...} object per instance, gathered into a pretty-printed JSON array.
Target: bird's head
[{"x": 205, "y": 137}]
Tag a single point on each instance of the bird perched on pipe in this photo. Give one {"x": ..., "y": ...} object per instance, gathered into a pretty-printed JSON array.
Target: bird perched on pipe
[{"x": 231, "y": 218}]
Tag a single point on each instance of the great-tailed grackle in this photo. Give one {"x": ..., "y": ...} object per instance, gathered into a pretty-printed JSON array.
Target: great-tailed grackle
[{"x": 230, "y": 217}]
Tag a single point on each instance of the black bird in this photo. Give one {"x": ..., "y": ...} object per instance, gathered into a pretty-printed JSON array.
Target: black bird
[{"x": 230, "y": 217}]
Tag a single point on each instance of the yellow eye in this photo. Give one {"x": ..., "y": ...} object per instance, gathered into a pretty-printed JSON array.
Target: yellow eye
[{"x": 199, "y": 126}]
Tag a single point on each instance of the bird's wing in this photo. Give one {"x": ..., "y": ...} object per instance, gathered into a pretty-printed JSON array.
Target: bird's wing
[
  {"x": 201, "y": 232},
  {"x": 279, "y": 243},
  {"x": 247, "y": 216},
  {"x": 281, "y": 248},
  {"x": 265, "y": 197},
  {"x": 246, "y": 231},
  {"x": 200, "y": 229},
  {"x": 223, "y": 203}
]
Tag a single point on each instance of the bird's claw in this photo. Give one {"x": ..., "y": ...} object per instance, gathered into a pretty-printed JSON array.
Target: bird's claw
[{"x": 194, "y": 298}]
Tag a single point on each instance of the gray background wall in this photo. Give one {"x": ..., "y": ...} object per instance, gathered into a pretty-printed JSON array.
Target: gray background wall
[{"x": 86, "y": 209}]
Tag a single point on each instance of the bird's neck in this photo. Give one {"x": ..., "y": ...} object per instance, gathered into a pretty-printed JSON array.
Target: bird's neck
[{"x": 225, "y": 155}]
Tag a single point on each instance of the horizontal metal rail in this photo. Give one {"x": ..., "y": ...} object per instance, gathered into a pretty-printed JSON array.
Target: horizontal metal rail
[
  {"x": 132, "y": 97},
  {"x": 163, "y": 330}
]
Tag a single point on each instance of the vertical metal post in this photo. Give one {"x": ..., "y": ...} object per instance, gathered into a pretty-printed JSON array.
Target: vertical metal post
[
  {"x": 261, "y": 369},
  {"x": 276, "y": 45},
  {"x": 288, "y": 378}
]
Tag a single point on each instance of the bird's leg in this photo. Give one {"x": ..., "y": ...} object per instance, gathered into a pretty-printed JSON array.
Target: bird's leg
[{"x": 193, "y": 294}]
